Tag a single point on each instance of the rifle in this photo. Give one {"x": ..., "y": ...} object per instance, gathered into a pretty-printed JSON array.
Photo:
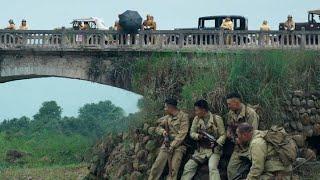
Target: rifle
[
  {"x": 166, "y": 142},
  {"x": 244, "y": 169},
  {"x": 208, "y": 136}
]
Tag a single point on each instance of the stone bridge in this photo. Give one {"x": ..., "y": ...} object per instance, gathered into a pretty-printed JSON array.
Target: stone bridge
[{"x": 103, "y": 56}]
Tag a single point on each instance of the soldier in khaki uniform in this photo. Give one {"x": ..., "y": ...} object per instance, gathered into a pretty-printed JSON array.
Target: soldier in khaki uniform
[
  {"x": 212, "y": 124},
  {"x": 239, "y": 113},
  {"x": 149, "y": 23},
  {"x": 23, "y": 25},
  {"x": 227, "y": 24},
  {"x": 265, "y": 26},
  {"x": 11, "y": 26},
  {"x": 174, "y": 125},
  {"x": 266, "y": 163},
  {"x": 289, "y": 25}
]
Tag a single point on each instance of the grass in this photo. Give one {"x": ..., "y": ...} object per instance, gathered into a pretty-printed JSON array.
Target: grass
[
  {"x": 262, "y": 77},
  {"x": 68, "y": 172}
]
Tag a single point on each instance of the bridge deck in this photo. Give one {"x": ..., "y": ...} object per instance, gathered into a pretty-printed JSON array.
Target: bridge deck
[{"x": 163, "y": 40}]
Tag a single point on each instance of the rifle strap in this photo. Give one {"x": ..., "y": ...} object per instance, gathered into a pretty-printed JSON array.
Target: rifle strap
[{"x": 166, "y": 126}]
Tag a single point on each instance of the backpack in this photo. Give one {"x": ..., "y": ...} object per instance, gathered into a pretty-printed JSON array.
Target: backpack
[{"x": 283, "y": 144}]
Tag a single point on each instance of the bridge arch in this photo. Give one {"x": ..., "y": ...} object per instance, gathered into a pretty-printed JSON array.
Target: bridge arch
[{"x": 104, "y": 68}]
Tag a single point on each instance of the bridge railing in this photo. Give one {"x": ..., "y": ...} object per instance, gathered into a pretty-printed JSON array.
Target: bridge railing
[{"x": 157, "y": 40}]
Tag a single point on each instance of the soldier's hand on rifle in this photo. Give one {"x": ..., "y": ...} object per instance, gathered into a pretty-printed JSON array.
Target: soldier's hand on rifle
[
  {"x": 200, "y": 136},
  {"x": 165, "y": 133},
  {"x": 213, "y": 145}
]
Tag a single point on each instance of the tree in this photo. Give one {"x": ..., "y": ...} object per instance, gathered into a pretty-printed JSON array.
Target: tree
[
  {"x": 102, "y": 111},
  {"x": 49, "y": 111}
]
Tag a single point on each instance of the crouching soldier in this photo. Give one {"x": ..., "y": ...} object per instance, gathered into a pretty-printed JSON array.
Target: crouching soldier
[
  {"x": 174, "y": 128},
  {"x": 269, "y": 159},
  {"x": 208, "y": 129}
]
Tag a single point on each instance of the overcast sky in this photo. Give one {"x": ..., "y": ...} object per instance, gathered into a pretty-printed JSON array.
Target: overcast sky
[{"x": 25, "y": 97}]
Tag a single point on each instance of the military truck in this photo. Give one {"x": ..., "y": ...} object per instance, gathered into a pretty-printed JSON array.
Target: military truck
[
  {"x": 313, "y": 23},
  {"x": 214, "y": 23}
]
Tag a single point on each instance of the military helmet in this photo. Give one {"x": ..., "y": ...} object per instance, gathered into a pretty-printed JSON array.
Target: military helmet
[
  {"x": 11, "y": 21},
  {"x": 289, "y": 16},
  {"x": 23, "y": 20},
  {"x": 265, "y": 22}
]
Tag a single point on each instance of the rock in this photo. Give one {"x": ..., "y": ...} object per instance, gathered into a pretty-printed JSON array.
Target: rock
[
  {"x": 305, "y": 119},
  {"x": 299, "y": 126},
  {"x": 151, "y": 145},
  {"x": 310, "y": 103},
  {"x": 298, "y": 93},
  {"x": 313, "y": 111},
  {"x": 316, "y": 129},
  {"x": 313, "y": 119},
  {"x": 302, "y": 110},
  {"x": 296, "y": 101},
  {"x": 287, "y": 102},
  {"x": 296, "y": 114},
  {"x": 145, "y": 139},
  {"x": 146, "y": 127},
  {"x": 135, "y": 165},
  {"x": 125, "y": 136},
  {"x": 137, "y": 147},
  {"x": 293, "y": 125},
  {"x": 317, "y": 103},
  {"x": 136, "y": 175},
  {"x": 121, "y": 171},
  {"x": 308, "y": 130},
  {"x": 317, "y": 118},
  {"x": 142, "y": 155},
  {"x": 143, "y": 167},
  {"x": 13, "y": 155},
  {"x": 151, "y": 130}
]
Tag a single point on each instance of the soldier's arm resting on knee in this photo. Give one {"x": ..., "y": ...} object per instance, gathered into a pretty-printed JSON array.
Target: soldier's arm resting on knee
[
  {"x": 258, "y": 151},
  {"x": 182, "y": 133}
]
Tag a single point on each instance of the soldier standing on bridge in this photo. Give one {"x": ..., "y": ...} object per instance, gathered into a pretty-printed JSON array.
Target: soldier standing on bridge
[
  {"x": 265, "y": 28},
  {"x": 149, "y": 24},
  {"x": 23, "y": 25},
  {"x": 11, "y": 26},
  {"x": 174, "y": 128},
  {"x": 227, "y": 24},
  {"x": 239, "y": 113},
  {"x": 289, "y": 25},
  {"x": 208, "y": 150}
]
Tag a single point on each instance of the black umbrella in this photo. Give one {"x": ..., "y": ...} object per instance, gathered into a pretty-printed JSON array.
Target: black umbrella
[{"x": 130, "y": 21}]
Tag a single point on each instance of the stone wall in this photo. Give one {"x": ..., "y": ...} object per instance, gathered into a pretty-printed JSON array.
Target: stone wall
[{"x": 302, "y": 115}]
